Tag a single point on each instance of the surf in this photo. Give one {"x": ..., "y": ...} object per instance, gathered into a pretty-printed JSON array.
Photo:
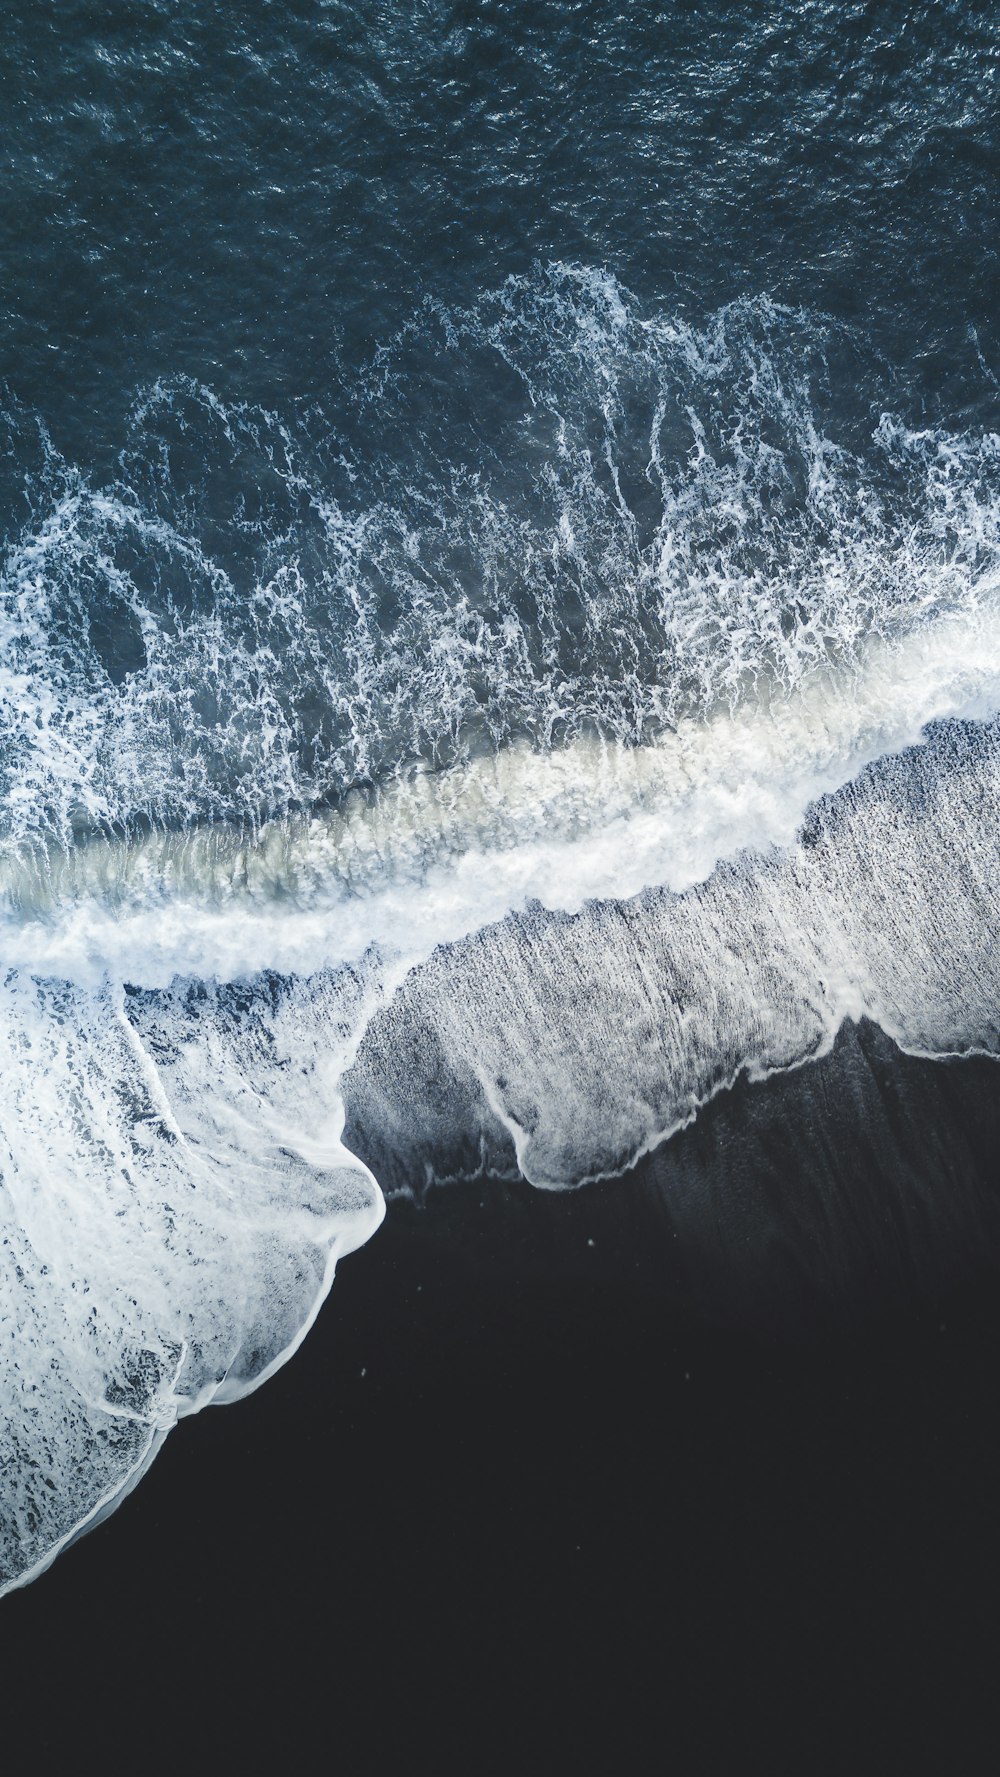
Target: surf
[
  {"x": 435, "y": 855},
  {"x": 377, "y": 811}
]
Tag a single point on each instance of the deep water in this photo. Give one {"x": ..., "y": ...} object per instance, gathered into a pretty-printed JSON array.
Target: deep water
[{"x": 259, "y": 201}]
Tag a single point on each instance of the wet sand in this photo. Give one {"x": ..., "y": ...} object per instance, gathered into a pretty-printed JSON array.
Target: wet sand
[{"x": 682, "y": 1472}]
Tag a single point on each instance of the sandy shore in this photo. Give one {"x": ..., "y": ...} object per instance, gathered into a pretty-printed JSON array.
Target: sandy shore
[{"x": 627, "y": 1479}]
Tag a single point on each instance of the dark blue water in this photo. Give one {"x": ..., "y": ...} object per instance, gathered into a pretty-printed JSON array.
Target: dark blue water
[{"x": 258, "y": 199}]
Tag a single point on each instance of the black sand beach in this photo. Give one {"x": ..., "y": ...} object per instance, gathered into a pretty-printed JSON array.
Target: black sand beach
[{"x": 592, "y": 1481}]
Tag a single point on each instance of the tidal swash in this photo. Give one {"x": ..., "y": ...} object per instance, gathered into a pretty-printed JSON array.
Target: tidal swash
[{"x": 499, "y": 632}]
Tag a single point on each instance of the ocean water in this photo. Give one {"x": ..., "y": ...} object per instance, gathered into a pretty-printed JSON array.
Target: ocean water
[{"x": 499, "y": 633}]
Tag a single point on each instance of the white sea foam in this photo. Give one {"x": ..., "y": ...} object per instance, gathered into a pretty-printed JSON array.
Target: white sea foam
[
  {"x": 170, "y": 1231},
  {"x": 159, "y": 1251},
  {"x": 439, "y": 855},
  {"x": 565, "y": 1047},
  {"x": 668, "y": 521}
]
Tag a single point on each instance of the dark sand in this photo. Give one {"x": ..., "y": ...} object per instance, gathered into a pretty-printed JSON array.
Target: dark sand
[{"x": 698, "y": 1470}]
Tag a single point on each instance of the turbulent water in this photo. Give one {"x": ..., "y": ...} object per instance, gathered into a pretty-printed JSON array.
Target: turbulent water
[{"x": 499, "y": 632}]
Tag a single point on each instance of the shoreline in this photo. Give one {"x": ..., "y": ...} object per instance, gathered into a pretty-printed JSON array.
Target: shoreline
[{"x": 614, "y": 1404}]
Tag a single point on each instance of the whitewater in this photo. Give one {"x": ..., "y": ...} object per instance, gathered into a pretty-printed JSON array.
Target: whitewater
[{"x": 514, "y": 813}]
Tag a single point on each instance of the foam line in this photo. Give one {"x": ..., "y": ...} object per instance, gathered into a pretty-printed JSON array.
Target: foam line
[{"x": 437, "y": 855}]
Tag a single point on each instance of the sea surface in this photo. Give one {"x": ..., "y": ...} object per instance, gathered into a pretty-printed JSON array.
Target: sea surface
[{"x": 499, "y": 683}]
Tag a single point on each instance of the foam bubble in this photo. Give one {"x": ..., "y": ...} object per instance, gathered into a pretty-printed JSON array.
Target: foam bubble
[
  {"x": 565, "y": 1046},
  {"x": 628, "y": 523},
  {"x": 167, "y": 1235},
  {"x": 438, "y": 855}
]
